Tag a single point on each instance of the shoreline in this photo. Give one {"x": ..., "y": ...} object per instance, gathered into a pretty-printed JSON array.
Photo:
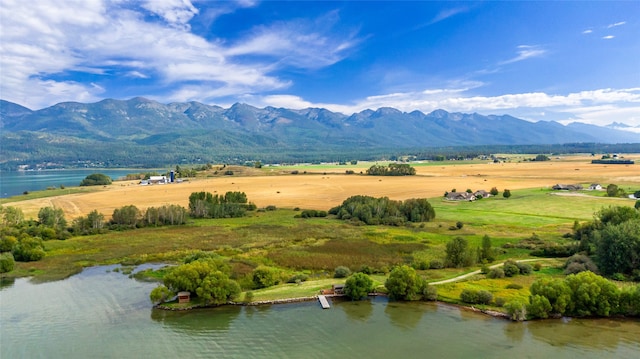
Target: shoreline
[{"x": 491, "y": 313}]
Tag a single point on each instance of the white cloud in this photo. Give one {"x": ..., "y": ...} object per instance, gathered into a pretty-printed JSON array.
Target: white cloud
[
  {"x": 599, "y": 107},
  {"x": 608, "y": 37},
  {"x": 300, "y": 43},
  {"x": 526, "y": 52},
  {"x": 588, "y": 31},
  {"x": 43, "y": 42},
  {"x": 137, "y": 74},
  {"x": 445, "y": 14},
  {"x": 616, "y": 24},
  {"x": 175, "y": 12}
]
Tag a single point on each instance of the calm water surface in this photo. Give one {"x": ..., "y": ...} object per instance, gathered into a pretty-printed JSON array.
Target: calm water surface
[
  {"x": 15, "y": 183},
  {"x": 104, "y": 314}
]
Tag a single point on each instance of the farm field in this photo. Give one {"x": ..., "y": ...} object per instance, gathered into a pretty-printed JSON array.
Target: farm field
[
  {"x": 323, "y": 186},
  {"x": 317, "y": 246}
]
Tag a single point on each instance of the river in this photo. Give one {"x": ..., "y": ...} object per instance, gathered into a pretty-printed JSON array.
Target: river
[
  {"x": 102, "y": 313},
  {"x": 16, "y": 183}
]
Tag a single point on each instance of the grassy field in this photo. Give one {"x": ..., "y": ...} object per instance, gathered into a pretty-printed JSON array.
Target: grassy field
[
  {"x": 314, "y": 247},
  {"x": 326, "y": 186}
]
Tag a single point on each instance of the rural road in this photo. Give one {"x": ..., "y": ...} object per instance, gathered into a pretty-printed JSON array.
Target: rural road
[{"x": 470, "y": 274}]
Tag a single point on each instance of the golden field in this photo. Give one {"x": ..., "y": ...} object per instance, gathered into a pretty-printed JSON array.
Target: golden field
[{"x": 323, "y": 188}]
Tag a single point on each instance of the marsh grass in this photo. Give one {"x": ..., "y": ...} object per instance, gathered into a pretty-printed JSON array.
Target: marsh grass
[{"x": 278, "y": 239}]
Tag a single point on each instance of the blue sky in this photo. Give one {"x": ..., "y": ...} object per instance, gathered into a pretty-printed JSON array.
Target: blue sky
[{"x": 564, "y": 61}]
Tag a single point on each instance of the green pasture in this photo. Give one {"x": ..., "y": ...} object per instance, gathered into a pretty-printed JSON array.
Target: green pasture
[{"x": 317, "y": 245}]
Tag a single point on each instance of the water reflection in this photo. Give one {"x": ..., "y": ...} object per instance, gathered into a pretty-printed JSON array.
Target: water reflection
[
  {"x": 404, "y": 315},
  {"x": 357, "y": 311},
  {"x": 6, "y": 283},
  {"x": 591, "y": 333},
  {"x": 105, "y": 312},
  {"x": 197, "y": 321},
  {"x": 515, "y": 331}
]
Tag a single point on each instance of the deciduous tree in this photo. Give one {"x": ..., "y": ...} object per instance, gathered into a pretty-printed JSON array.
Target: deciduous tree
[
  {"x": 358, "y": 286},
  {"x": 404, "y": 284}
]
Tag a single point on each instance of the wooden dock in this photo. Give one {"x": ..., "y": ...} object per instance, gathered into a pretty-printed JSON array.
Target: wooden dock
[{"x": 324, "y": 302}]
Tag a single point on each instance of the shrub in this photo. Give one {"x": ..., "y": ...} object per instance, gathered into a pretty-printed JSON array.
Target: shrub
[
  {"x": 579, "y": 263},
  {"x": 7, "y": 263},
  {"x": 525, "y": 268},
  {"x": 264, "y": 277},
  {"x": 618, "y": 277},
  {"x": 459, "y": 225},
  {"x": 298, "y": 277},
  {"x": 430, "y": 293},
  {"x": 436, "y": 264},
  {"x": 472, "y": 296},
  {"x": 28, "y": 249},
  {"x": 248, "y": 297},
  {"x": 421, "y": 265},
  {"x": 458, "y": 253},
  {"x": 469, "y": 296},
  {"x": 311, "y": 213},
  {"x": 96, "y": 179},
  {"x": 484, "y": 297},
  {"x": 517, "y": 309},
  {"x": 342, "y": 272},
  {"x": 499, "y": 302},
  {"x": 510, "y": 268},
  {"x": 514, "y": 286},
  {"x": 160, "y": 294},
  {"x": 485, "y": 269},
  {"x": 270, "y": 207},
  {"x": 537, "y": 266},
  {"x": 496, "y": 273}
]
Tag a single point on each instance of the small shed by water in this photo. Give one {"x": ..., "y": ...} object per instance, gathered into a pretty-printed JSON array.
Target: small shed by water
[
  {"x": 338, "y": 288},
  {"x": 184, "y": 297}
]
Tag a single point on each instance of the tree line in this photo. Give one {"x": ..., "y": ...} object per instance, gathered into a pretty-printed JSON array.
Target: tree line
[
  {"x": 612, "y": 239},
  {"x": 393, "y": 169},
  {"x": 23, "y": 240},
  {"x": 373, "y": 211}
]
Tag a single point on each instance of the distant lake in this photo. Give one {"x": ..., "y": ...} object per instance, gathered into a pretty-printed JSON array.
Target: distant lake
[
  {"x": 15, "y": 183},
  {"x": 101, "y": 313}
]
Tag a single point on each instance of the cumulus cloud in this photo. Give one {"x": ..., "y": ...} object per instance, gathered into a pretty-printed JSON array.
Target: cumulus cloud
[
  {"x": 599, "y": 107},
  {"x": 43, "y": 43}
]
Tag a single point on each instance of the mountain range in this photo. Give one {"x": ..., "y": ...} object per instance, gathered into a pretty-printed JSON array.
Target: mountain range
[{"x": 110, "y": 128}]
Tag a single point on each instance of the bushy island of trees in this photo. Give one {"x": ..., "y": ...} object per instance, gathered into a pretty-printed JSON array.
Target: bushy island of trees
[
  {"x": 393, "y": 169},
  {"x": 373, "y": 211}
]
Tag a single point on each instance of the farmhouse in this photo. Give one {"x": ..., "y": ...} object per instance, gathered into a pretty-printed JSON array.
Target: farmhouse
[
  {"x": 482, "y": 193},
  {"x": 567, "y": 187},
  {"x": 158, "y": 180},
  {"x": 460, "y": 196},
  {"x": 595, "y": 187}
]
